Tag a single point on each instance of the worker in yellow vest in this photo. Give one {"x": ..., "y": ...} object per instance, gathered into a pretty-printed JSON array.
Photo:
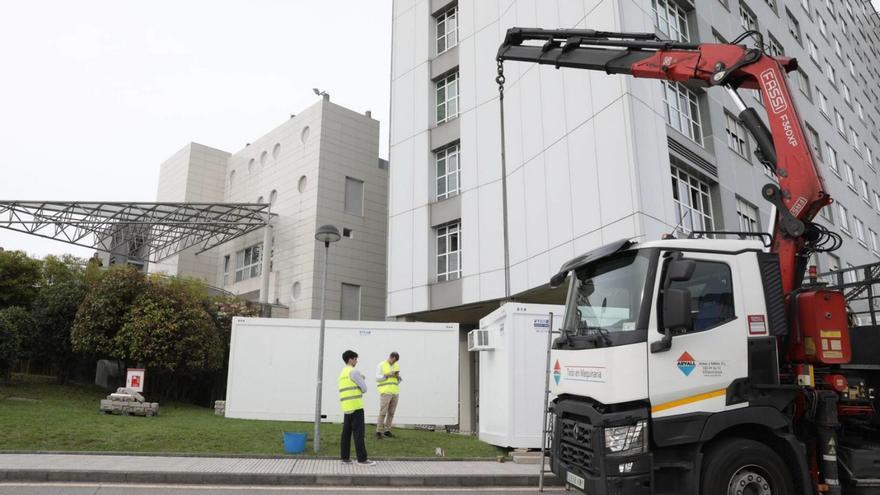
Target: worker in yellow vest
[
  {"x": 351, "y": 397},
  {"x": 388, "y": 382}
]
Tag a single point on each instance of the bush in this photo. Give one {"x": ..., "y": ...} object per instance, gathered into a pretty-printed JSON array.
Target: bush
[
  {"x": 103, "y": 312},
  {"x": 169, "y": 331},
  {"x": 16, "y": 327},
  {"x": 19, "y": 278}
]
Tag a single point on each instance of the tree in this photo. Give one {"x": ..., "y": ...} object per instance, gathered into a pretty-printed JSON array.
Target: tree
[
  {"x": 63, "y": 290},
  {"x": 103, "y": 312},
  {"x": 16, "y": 324},
  {"x": 19, "y": 278},
  {"x": 169, "y": 331}
]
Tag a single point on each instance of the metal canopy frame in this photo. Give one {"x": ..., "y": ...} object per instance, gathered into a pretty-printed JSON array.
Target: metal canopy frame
[{"x": 147, "y": 231}]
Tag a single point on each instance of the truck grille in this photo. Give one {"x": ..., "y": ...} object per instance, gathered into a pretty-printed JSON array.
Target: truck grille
[{"x": 576, "y": 444}]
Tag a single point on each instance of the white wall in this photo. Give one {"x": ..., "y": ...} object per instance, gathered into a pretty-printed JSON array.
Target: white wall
[
  {"x": 272, "y": 368},
  {"x": 576, "y": 176}
]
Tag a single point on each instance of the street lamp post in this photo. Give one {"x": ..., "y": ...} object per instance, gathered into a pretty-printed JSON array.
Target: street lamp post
[{"x": 325, "y": 234}]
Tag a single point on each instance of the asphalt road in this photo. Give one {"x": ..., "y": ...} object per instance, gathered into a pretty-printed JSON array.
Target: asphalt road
[{"x": 114, "y": 489}]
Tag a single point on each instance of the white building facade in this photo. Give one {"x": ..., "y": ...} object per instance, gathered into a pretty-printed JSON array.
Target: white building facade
[
  {"x": 319, "y": 167},
  {"x": 591, "y": 157}
]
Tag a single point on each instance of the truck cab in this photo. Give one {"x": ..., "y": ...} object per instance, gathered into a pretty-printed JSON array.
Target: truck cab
[{"x": 666, "y": 347}]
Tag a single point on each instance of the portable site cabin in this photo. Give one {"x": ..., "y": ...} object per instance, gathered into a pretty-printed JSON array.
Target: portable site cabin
[
  {"x": 273, "y": 367},
  {"x": 512, "y": 346}
]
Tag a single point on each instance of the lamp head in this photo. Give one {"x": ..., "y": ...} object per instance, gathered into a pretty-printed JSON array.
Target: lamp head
[{"x": 327, "y": 234}]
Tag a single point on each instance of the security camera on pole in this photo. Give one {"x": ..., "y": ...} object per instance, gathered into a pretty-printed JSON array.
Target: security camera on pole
[{"x": 325, "y": 234}]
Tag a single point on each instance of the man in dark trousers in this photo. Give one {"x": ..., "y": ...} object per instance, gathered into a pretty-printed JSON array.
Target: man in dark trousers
[{"x": 352, "y": 388}]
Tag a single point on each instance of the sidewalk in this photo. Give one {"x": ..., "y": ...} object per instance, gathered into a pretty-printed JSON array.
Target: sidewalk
[{"x": 263, "y": 471}]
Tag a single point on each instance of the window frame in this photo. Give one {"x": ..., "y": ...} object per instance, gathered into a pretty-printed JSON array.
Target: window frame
[
  {"x": 446, "y": 231},
  {"x": 738, "y": 137},
  {"x": 747, "y": 216},
  {"x": 246, "y": 266},
  {"x": 694, "y": 185},
  {"x": 695, "y": 124},
  {"x": 446, "y": 154},
  {"x": 671, "y": 10},
  {"x": 444, "y": 17},
  {"x": 683, "y": 285},
  {"x": 445, "y": 83}
]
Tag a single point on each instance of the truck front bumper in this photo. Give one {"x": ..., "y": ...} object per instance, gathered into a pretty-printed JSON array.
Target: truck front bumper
[{"x": 579, "y": 455}]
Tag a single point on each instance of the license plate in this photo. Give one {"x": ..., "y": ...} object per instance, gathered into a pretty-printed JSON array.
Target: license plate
[{"x": 574, "y": 480}]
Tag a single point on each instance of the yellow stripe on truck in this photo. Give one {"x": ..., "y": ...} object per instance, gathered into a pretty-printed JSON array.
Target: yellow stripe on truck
[{"x": 688, "y": 400}]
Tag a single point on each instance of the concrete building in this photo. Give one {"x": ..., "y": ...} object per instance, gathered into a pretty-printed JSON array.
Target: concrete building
[
  {"x": 592, "y": 157},
  {"x": 319, "y": 167}
]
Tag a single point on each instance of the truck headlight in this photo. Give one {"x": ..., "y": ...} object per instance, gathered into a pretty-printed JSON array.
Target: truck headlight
[{"x": 625, "y": 440}]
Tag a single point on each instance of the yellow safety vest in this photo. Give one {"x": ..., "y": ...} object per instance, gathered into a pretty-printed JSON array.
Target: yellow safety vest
[
  {"x": 389, "y": 385},
  {"x": 350, "y": 396}
]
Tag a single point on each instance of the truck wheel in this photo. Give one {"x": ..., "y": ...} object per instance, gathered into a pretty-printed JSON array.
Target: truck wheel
[{"x": 739, "y": 466}]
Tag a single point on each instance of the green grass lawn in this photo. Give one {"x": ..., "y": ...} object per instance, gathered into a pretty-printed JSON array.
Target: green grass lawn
[{"x": 66, "y": 418}]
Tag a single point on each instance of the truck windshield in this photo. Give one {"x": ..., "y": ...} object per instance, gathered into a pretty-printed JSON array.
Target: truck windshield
[{"x": 605, "y": 300}]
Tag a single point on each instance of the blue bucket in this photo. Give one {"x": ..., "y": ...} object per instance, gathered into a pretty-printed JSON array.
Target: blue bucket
[{"x": 294, "y": 443}]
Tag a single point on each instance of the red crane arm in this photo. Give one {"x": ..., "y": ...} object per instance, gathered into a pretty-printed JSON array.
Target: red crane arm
[{"x": 784, "y": 148}]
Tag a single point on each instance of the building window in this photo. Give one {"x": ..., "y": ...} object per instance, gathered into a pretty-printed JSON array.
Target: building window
[
  {"x": 736, "y": 136},
  {"x": 868, "y": 155},
  {"x": 833, "y": 263},
  {"x": 683, "y": 111},
  {"x": 847, "y": 96},
  {"x": 860, "y": 110},
  {"x": 823, "y": 102},
  {"x": 843, "y": 214},
  {"x": 837, "y": 48},
  {"x": 447, "y": 30},
  {"x": 813, "y": 137},
  {"x": 747, "y": 216},
  {"x": 850, "y": 176},
  {"x": 226, "y": 269},
  {"x": 747, "y": 18},
  {"x": 875, "y": 242},
  {"x": 794, "y": 28},
  {"x": 671, "y": 19},
  {"x": 860, "y": 231},
  {"x": 354, "y": 196},
  {"x": 812, "y": 50},
  {"x": 804, "y": 84},
  {"x": 350, "y": 305},
  {"x": 841, "y": 124},
  {"x": 711, "y": 290},
  {"x": 823, "y": 26},
  {"x": 449, "y": 252},
  {"x": 448, "y": 172},
  {"x": 775, "y": 47},
  {"x": 830, "y": 73},
  {"x": 447, "y": 98},
  {"x": 865, "y": 190},
  {"x": 827, "y": 212},
  {"x": 693, "y": 204},
  {"x": 832, "y": 159},
  {"x": 854, "y": 140},
  {"x": 851, "y": 66},
  {"x": 876, "y": 201},
  {"x": 248, "y": 262}
]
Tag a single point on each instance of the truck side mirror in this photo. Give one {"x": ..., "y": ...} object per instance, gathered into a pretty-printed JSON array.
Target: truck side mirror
[
  {"x": 676, "y": 315},
  {"x": 680, "y": 270}
]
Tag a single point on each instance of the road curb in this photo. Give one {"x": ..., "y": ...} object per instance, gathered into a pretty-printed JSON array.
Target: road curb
[{"x": 178, "y": 478}]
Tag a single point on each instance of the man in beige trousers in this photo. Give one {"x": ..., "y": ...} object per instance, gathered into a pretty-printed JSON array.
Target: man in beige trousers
[{"x": 388, "y": 383}]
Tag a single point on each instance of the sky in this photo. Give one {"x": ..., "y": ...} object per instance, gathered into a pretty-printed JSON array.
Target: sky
[{"x": 96, "y": 94}]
